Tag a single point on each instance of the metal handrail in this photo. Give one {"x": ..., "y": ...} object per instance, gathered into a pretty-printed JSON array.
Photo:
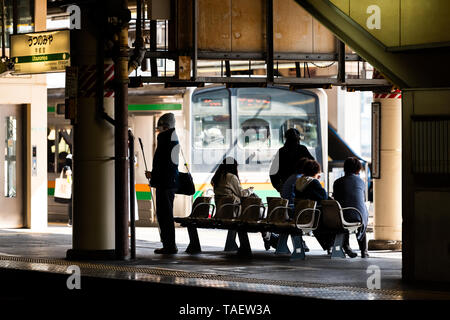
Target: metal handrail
[
  {"x": 252, "y": 206},
  {"x": 314, "y": 221},
  {"x": 202, "y": 204},
  {"x": 275, "y": 209},
  {"x": 228, "y": 204},
  {"x": 344, "y": 222}
]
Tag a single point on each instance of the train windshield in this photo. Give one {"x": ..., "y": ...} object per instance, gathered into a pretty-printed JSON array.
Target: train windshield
[
  {"x": 264, "y": 114},
  {"x": 249, "y": 124},
  {"x": 211, "y": 132}
]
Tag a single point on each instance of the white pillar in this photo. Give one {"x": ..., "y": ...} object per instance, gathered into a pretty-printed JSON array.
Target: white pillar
[{"x": 388, "y": 189}]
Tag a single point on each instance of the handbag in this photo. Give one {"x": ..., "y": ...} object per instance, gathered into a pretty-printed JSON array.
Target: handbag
[
  {"x": 63, "y": 188},
  {"x": 185, "y": 182}
]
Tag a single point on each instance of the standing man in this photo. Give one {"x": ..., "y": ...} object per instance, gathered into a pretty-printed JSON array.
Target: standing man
[
  {"x": 67, "y": 170},
  {"x": 164, "y": 178},
  {"x": 284, "y": 163}
]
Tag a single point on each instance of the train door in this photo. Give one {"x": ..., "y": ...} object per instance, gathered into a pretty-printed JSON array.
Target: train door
[{"x": 12, "y": 183}]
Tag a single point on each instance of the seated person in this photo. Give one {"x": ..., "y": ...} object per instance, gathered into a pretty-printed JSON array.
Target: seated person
[
  {"x": 349, "y": 191},
  {"x": 288, "y": 192},
  {"x": 226, "y": 181},
  {"x": 308, "y": 187},
  {"x": 288, "y": 188}
]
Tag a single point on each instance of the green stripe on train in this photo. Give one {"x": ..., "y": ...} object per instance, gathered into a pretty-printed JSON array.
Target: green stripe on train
[
  {"x": 139, "y": 195},
  {"x": 152, "y": 107},
  {"x": 51, "y": 109},
  {"x": 143, "y": 195}
]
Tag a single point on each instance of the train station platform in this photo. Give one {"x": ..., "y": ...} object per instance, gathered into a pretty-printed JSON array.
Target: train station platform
[{"x": 41, "y": 257}]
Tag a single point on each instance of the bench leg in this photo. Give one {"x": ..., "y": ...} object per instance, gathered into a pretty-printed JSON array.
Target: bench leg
[
  {"x": 338, "y": 251},
  {"x": 194, "y": 242},
  {"x": 230, "y": 244},
  {"x": 244, "y": 248},
  {"x": 282, "y": 247},
  {"x": 299, "y": 249}
]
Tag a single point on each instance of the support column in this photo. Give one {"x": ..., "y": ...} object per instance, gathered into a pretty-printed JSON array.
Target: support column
[
  {"x": 388, "y": 189},
  {"x": 121, "y": 141},
  {"x": 93, "y": 234}
]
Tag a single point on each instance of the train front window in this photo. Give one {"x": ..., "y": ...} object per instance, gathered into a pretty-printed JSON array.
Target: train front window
[
  {"x": 264, "y": 114},
  {"x": 211, "y": 120}
]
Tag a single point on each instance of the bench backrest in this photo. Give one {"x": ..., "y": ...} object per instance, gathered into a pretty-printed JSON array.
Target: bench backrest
[
  {"x": 331, "y": 215},
  {"x": 307, "y": 217},
  {"x": 223, "y": 208},
  {"x": 251, "y": 209},
  {"x": 199, "y": 207},
  {"x": 279, "y": 215}
]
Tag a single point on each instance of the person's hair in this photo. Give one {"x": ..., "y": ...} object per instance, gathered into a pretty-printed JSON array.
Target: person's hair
[
  {"x": 300, "y": 164},
  {"x": 352, "y": 166},
  {"x": 228, "y": 165},
  {"x": 311, "y": 168},
  {"x": 292, "y": 137}
]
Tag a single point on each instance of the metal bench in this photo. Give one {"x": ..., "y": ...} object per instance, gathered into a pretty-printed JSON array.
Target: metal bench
[{"x": 333, "y": 219}]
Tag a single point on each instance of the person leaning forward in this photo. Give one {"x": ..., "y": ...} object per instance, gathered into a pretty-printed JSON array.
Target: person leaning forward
[{"x": 164, "y": 178}]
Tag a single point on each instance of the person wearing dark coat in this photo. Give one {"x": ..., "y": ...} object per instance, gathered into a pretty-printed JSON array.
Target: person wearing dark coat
[
  {"x": 164, "y": 178},
  {"x": 349, "y": 191},
  {"x": 284, "y": 162},
  {"x": 67, "y": 170},
  {"x": 308, "y": 187}
]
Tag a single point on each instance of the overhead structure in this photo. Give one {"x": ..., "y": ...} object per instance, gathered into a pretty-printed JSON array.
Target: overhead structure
[
  {"x": 408, "y": 42},
  {"x": 202, "y": 31}
]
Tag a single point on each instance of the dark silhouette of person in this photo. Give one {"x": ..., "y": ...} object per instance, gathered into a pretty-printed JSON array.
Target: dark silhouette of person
[
  {"x": 284, "y": 162},
  {"x": 67, "y": 170},
  {"x": 164, "y": 178},
  {"x": 349, "y": 191}
]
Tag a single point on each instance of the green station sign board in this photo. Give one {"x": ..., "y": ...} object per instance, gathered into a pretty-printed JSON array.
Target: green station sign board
[{"x": 41, "y": 52}]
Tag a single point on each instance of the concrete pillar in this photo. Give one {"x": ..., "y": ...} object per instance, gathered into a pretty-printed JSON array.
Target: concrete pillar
[
  {"x": 93, "y": 164},
  {"x": 388, "y": 189}
]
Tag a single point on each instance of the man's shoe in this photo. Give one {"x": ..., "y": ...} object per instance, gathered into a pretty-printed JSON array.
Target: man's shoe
[
  {"x": 364, "y": 254},
  {"x": 350, "y": 253},
  {"x": 166, "y": 251}
]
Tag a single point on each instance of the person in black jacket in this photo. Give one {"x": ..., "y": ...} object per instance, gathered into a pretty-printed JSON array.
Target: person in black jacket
[
  {"x": 284, "y": 162},
  {"x": 164, "y": 178},
  {"x": 308, "y": 187},
  {"x": 67, "y": 170},
  {"x": 349, "y": 190}
]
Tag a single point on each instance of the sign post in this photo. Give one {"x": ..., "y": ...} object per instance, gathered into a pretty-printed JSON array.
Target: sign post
[
  {"x": 376, "y": 138},
  {"x": 40, "y": 52}
]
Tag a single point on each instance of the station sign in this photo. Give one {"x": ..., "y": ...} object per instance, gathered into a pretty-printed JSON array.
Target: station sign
[{"x": 40, "y": 52}]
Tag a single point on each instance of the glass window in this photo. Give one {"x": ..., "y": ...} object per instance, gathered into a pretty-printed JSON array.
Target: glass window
[
  {"x": 211, "y": 120},
  {"x": 264, "y": 114},
  {"x": 25, "y": 12},
  {"x": 10, "y": 157}
]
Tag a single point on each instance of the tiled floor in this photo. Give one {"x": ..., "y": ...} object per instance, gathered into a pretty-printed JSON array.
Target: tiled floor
[{"x": 318, "y": 276}]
